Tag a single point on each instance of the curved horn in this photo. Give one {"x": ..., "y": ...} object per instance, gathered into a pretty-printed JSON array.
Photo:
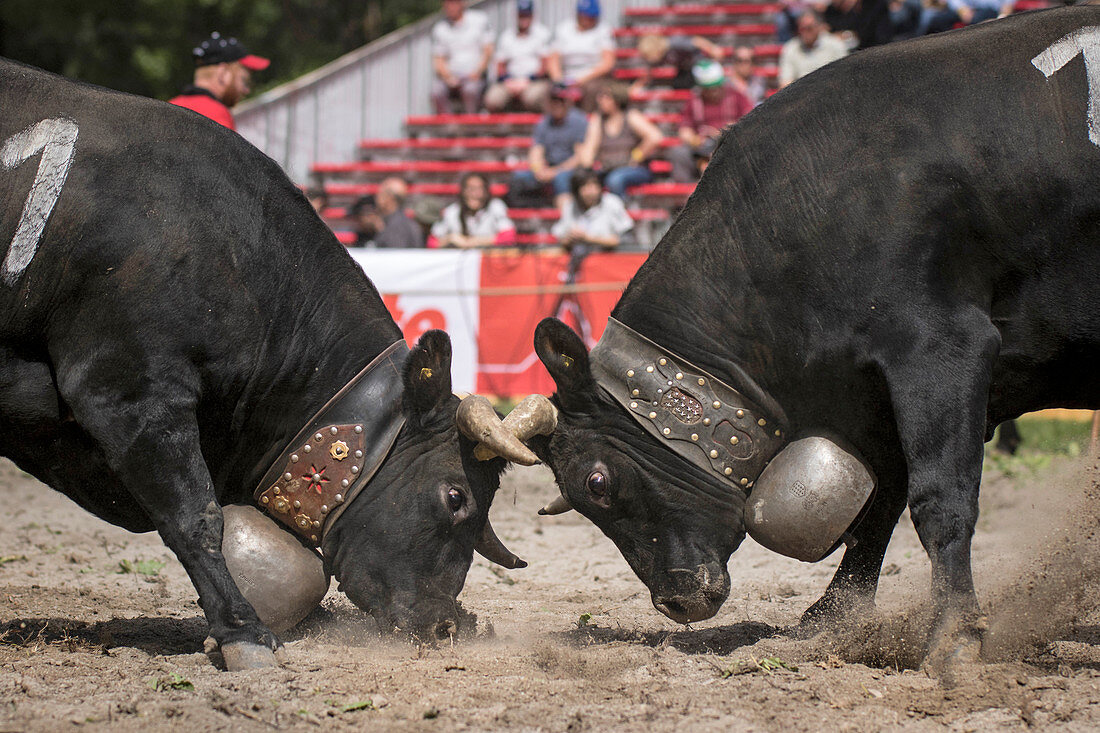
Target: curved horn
[
  {"x": 534, "y": 415},
  {"x": 559, "y": 505},
  {"x": 491, "y": 548},
  {"x": 478, "y": 421}
]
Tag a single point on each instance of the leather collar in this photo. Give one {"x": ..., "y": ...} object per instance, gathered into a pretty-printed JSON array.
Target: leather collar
[
  {"x": 699, "y": 417},
  {"x": 338, "y": 451}
]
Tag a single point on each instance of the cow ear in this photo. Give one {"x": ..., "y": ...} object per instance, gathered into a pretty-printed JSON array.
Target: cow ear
[
  {"x": 566, "y": 358},
  {"x": 427, "y": 375}
]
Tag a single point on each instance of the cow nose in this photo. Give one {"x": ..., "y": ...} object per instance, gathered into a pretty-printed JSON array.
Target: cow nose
[{"x": 687, "y": 596}]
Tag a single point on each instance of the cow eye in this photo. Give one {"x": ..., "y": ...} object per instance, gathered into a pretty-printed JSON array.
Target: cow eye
[
  {"x": 455, "y": 500},
  {"x": 597, "y": 484}
]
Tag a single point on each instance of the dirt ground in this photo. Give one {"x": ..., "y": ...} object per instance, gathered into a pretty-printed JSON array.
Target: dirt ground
[{"x": 569, "y": 644}]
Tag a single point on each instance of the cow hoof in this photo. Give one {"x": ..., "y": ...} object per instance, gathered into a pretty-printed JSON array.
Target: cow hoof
[
  {"x": 955, "y": 650},
  {"x": 239, "y": 655},
  {"x": 833, "y": 611}
]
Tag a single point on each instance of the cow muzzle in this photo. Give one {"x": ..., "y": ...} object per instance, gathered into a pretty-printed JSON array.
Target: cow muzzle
[{"x": 689, "y": 595}]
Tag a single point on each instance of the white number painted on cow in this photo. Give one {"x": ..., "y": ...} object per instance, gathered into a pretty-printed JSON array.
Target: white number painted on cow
[
  {"x": 1084, "y": 41},
  {"x": 56, "y": 139}
]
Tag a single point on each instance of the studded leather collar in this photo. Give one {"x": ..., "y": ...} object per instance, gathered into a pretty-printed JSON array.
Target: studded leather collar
[
  {"x": 338, "y": 451},
  {"x": 701, "y": 418}
]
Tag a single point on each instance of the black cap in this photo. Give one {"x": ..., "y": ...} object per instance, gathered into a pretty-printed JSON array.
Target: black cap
[{"x": 218, "y": 49}]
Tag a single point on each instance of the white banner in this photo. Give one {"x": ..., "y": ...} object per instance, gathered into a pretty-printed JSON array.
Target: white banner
[{"x": 426, "y": 289}]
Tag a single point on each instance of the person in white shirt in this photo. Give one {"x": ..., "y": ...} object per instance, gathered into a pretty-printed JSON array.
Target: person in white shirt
[
  {"x": 591, "y": 218},
  {"x": 813, "y": 48},
  {"x": 521, "y": 63},
  {"x": 475, "y": 220},
  {"x": 462, "y": 44},
  {"x": 583, "y": 52}
]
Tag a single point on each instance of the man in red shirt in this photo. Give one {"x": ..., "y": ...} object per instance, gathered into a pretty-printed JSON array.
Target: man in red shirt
[
  {"x": 714, "y": 104},
  {"x": 223, "y": 69}
]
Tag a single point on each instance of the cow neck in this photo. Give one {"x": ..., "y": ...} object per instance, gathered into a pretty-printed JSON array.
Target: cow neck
[
  {"x": 334, "y": 456},
  {"x": 703, "y": 419}
]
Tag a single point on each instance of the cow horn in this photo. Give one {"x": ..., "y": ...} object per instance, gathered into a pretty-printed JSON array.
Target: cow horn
[
  {"x": 534, "y": 415},
  {"x": 491, "y": 548},
  {"x": 559, "y": 505}
]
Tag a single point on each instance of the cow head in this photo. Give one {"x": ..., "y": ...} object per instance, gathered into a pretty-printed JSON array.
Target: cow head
[
  {"x": 402, "y": 548},
  {"x": 675, "y": 525}
]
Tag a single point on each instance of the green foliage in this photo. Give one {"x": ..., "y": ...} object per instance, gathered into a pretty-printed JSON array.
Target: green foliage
[
  {"x": 583, "y": 620},
  {"x": 144, "y": 46},
  {"x": 767, "y": 665},
  {"x": 1041, "y": 439},
  {"x": 172, "y": 682},
  {"x": 140, "y": 567}
]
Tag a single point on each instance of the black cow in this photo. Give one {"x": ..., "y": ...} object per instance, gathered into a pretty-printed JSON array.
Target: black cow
[
  {"x": 902, "y": 249},
  {"x": 173, "y": 312}
]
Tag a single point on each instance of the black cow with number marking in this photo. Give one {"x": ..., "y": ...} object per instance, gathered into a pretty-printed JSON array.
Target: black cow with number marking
[
  {"x": 902, "y": 249},
  {"x": 172, "y": 313}
]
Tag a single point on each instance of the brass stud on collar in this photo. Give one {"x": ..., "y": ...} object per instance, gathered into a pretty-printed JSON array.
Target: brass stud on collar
[
  {"x": 294, "y": 458},
  {"x": 662, "y": 362},
  {"x": 660, "y": 391},
  {"x": 287, "y": 476},
  {"x": 307, "y": 449},
  {"x": 355, "y": 469},
  {"x": 302, "y": 520},
  {"x": 778, "y": 433},
  {"x": 281, "y": 505},
  {"x": 297, "y": 504},
  {"x": 706, "y": 421},
  {"x": 313, "y": 537},
  {"x": 652, "y": 415},
  {"x": 649, "y": 369},
  {"x": 744, "y": 482},
  {"x": 740, "y": 413},
  {"x": 344, "y": 483},
  {"x": 633, "y": 405},
  {"x": 714, "y": 454},
  {"x": 316, "y": 524},
  {"x": 734, "y": 440},
  {"x": 264, "y": 500},
  {"x": 666, "y": 431},
  {"x": 695, "y": 436},
  {"x": 634, "y": 393},
  {"x": 702, "y": 381},
  {"x": 275, "y": 491},
  {"x": 679, "y": 375},
  {"x": 324, "y": 509},
  {"x": 318, "y": 436},
  {"x": 716, "y": 404},
  {"x": 630, "y": 372},
  {"x": 338, "y": 498},
  {"x": 334, "y": 430},
  {"x": 727, "y": 471},
  {"x": 761, "y": 422},
  {"x": 358, "y": 454},
  {"x": 358, "y": 428}
]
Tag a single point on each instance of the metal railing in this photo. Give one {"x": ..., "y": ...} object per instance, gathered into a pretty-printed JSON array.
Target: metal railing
[{"x": 369, "y": 92}]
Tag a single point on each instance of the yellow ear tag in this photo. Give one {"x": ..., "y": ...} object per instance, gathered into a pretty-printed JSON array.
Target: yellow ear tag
[
  {"x": 567, "y": 360},
  {"x": 425, "y": 373}
]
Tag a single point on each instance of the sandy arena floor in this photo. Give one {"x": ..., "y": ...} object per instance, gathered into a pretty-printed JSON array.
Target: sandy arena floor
[{"x": 569, "y": 644}]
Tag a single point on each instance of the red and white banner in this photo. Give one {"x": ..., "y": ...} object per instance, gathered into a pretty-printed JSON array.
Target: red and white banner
[{"x": 490, "y": 302}]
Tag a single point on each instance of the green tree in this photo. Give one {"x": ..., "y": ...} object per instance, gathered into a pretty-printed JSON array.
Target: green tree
[{"x": 144, "y": 46}]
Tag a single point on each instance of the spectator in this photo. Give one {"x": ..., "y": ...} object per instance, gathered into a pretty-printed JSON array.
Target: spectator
[
  {"x": 678, "y": 52},
  {"x": 318, "y": 198},
  {"x": 786, "y": 19},
  {"x": 967, "y": 12},
  {"x": 223, "y": 72},
  {"x": 591, "y": 218},
  {"x": 475, "y": 220},
  {"x": 397, "y": 229},
  {"x": 713, "y": 105},
  {"x": 620, "y": 140},
  {"x": 554, "y": 151},
  {"x": 521, "y": 63},
  {"x": 813, "y": 48},
  {"x": 583, "y": 51},
  {"x": 746, "y": 77},
  {"x": 364, "y": 216},
  {"x": 462, "y": 44}
]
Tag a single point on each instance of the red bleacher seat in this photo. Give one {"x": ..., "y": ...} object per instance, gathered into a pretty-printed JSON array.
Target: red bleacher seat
[
  {"x": 501, "y": 120},
  {"x": 667, "y": 72},
  {"x": 454, "y": 168},
  {"x": 344, "y": 190},
  {"x": 740, "y": 29},
  {"x": 759, "y": 51},
  {"x": 433, "y": 143},
  {"x": 675, "y": 12}
]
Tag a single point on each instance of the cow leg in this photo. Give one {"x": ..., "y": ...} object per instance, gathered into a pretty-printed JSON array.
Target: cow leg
[
  {"x": 152, "y": 445},
  {"x": 852, "y": 589},
  {"x": 940, "y": 393}
]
